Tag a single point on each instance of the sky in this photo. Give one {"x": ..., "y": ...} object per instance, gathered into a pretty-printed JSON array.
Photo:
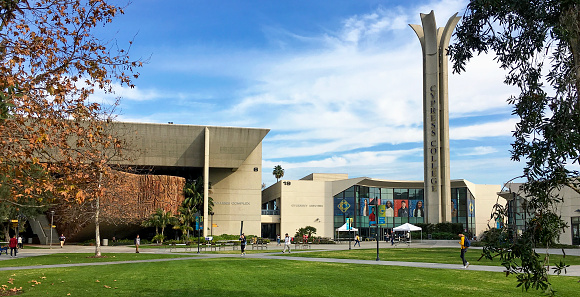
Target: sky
[{"x": 337, "y": 82}]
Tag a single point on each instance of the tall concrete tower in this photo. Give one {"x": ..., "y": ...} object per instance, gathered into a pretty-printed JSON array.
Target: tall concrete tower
[{"x": 434, "y": 42}]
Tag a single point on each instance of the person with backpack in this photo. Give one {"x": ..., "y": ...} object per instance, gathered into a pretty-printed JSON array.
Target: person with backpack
[
  {"x": 357, "y": 240},
  {"x": 61, "y": 238},
  {"x": 465, "y": 243},
  {"x": 243, "y": 242}
]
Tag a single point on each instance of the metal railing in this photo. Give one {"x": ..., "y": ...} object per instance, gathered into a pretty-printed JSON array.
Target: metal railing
[{"x": 270, "y": 212}]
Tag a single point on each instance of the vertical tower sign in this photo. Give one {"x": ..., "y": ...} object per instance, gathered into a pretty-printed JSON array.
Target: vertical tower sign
[{"x": 434, "y": 42}]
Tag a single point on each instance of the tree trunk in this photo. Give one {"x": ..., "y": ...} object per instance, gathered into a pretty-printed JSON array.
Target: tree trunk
[
  {"x": 6, "y": 229},
  {"x": 97, "y": 210}
]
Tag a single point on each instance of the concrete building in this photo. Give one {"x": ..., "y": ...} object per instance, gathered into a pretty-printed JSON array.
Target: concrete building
[
  {"x": 569, "y": 210},
  {"x": 229, "y": 158},
  {"x": 325, "y": 201}
]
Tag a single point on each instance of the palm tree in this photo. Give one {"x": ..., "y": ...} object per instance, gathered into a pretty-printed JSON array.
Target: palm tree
[
  {"x": 278, "y": 172},
  {"x": 193, "y": 203},
  {"x": 184, "y": 219},
  {"x": 159, "y": 219},
  {"x": 193, "y": 192}
]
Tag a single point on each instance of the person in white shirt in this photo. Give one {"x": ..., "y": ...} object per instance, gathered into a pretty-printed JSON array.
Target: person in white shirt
[{"x": 286, "y": 244}]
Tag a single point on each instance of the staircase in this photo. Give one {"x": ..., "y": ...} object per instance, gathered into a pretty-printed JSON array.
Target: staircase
[{"x": 41, "y": 227}]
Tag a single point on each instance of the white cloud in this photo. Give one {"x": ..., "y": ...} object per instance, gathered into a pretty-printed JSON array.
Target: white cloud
[
  {"x": 125, "y": 93},
  {"x": 387, "y": 164},
  {"x": 490, "y": 129},
  {"x": 479, "y": 151}
]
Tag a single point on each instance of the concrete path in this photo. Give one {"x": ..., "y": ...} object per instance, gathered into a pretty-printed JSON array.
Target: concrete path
[{"x": 271, "y": 254}]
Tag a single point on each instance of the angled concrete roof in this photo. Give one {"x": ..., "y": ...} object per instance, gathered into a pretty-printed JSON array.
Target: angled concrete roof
[{"x": 183, "y": 145}]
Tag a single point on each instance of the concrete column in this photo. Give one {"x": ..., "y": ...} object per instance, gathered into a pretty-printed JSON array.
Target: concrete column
[
  {"x": 206, "y": 182},
  {"x": 434, "y": 43}
]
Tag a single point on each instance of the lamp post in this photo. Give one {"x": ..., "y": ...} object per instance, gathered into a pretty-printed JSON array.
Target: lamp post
[
  {"x": 377, "y": 232},
  {"x": 349, "y": 225},
  {"x": 51, "y": 224},
  {"x": 377, "y": 228},
  {"x": 211, "y": 230}
]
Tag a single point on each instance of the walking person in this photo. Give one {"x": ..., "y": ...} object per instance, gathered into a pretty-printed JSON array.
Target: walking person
[
  {"x": 13, "y": 246},
  {"x": 357, "y": 240},
  {"x": 137, "y": 243},
  {"x": 278, "y": 239},
  {"x": 61, "y": 238},
  {"x": 462, "y": 240},
  {"x": 287, "y": 244},
  {"x": 20, "y": 242},
  {"x": 243, "y": 244}
]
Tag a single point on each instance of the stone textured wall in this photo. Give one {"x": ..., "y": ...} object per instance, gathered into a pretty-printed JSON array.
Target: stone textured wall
[
  {"x": 128, "y": 200},
  {"x": 135, "y": 197}
]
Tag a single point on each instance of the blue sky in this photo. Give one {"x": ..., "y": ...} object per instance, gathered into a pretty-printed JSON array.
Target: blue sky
[{"x": 338, "y": 82}]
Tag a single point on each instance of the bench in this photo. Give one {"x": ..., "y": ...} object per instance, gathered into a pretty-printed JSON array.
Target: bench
[
  {"x": 175, "y": 246},
  {"x": 259, "y": 245},
  {"x": 225, "y": 245},
  {"x": 403, "y": 240},
  {"x": 302, "y": 245}
]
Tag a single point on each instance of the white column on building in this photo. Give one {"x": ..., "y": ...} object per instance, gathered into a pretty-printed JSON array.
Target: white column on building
[{"x": 206, "y": 183}]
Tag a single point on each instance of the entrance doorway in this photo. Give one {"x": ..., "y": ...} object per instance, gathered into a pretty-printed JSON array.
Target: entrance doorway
[
  {"x": 269, "y": 231},
  {"x": 576, "y": 230}
]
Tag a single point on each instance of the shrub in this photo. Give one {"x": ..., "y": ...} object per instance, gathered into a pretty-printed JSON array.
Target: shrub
[{"x": 444, "y": 235}]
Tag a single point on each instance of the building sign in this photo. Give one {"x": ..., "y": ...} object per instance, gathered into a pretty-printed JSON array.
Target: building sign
[
  {"x": 343, "y": 205},
  {"x": 232, "y": 203},
  {"x": 433, "y": 139}
]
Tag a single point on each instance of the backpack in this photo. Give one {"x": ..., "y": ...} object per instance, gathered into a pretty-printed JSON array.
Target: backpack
[{"x": 466, "y": 242}]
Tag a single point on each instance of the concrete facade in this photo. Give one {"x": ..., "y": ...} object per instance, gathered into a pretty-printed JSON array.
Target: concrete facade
[
  {"x": 569, "y": 210},
  {"x": 309, "y": 201},
  {"x": 230, "y": 159}
]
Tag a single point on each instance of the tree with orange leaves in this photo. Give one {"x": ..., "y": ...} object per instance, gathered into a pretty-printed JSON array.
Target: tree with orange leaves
[{"x": 50, "y": 63}]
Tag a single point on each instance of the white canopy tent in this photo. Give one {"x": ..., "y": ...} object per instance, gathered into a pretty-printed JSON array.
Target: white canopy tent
[
  {"x": 343, "y": 228},
  {"x": 408, "y": 228}
]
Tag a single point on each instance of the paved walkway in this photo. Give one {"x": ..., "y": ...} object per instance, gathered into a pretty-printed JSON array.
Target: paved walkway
[{"x": 572, "y": 271}]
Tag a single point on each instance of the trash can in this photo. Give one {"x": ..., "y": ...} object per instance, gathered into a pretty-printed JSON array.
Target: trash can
[
  {"x": 105, "y": 242},
  {"x": 30, "y": 240}
]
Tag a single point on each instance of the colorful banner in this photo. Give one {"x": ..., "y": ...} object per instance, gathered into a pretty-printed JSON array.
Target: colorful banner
[
  {"x": 382, "y": 215},
  {"x": 372, "y": 215}
]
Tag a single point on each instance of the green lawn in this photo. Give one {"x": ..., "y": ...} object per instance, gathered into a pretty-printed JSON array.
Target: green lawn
[
  {"x": 261, "y": 277},
  {"x": 431, "y": 255},
  {"x": 67, "y": 258}
]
